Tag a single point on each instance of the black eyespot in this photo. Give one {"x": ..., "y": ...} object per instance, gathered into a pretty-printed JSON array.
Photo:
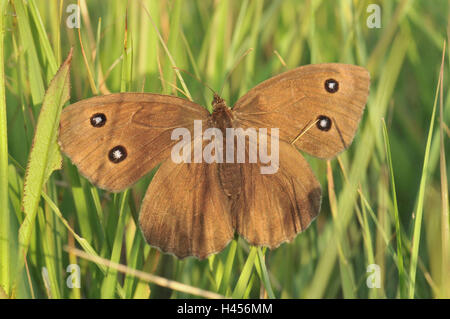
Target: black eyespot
[
  {"x": 117, "y": 154},
  {"x": 331, "y": 85},
  {"x": 323, "y": 123},
  {"x": 98, "y": 120}
]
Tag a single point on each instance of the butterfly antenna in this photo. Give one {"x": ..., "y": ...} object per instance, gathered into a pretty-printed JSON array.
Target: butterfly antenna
[
  {"x": 195, "y": 77},
  {"x": 233, "y": 68}
]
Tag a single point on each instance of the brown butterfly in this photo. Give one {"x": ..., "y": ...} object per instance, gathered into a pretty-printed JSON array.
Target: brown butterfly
[{"x": 194, "y": 209}]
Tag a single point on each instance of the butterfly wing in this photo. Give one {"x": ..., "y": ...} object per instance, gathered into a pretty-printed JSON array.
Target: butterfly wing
[
  {"x": 185, "y": 211},
  {"x": 116, "y": 139},
  {"x": 318, "y": 106},
  {"x": 274, "y": 208}
]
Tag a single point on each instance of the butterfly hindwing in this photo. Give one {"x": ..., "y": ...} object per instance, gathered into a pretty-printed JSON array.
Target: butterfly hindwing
[
  {"x": 274, "y": 208},
  {"x": 185, "y": 211}
]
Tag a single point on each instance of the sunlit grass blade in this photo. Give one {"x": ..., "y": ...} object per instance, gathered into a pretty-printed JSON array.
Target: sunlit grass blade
[
  {"x": 225, "y": 283},
  {"x": 346, "y": 271},
  {"x": 166, "y": 49},
  {"x": 111, "y": 277},
  {"x": 247, "y": 270},
  {"x": 27, "y": 41},
  {"x": 43, "y": 39},
  {"x": 82, "y": 241},
  {"x": 5, "y": 217},
  {"x": 177, "y": 286},
  {"x": 445, "y": 222},
  {"x": 401, "y": 270},
  {"x": 421, "y": 194},
  {"x": 44, "y": 156},
  {"x": 264, "y": 274}
]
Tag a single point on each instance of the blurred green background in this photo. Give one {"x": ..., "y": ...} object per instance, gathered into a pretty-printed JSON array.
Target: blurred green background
[{"x": 133, "y": 46}]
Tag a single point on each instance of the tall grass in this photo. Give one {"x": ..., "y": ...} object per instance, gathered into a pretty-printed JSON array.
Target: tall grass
[{"x": 385, "y": 200}]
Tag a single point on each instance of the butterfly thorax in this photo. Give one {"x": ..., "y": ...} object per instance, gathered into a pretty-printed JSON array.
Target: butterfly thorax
[{"x": 221, "y": 117}]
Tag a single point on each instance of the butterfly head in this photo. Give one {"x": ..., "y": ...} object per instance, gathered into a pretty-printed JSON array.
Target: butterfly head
[{"x": 218, "y": 102}]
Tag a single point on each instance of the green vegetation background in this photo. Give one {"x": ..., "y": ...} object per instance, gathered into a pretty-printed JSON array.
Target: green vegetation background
[{"x": 133, "y": 46}]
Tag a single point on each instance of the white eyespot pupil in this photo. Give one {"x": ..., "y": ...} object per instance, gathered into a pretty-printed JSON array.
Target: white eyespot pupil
[
  {"x": 117, "y": 154},
  {"x": 323, "y": 123},
  {"x": 331, "y": 85},
  {"x": 98, "y": 120}
]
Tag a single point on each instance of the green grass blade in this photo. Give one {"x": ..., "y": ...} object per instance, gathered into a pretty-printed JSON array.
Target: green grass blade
[
  {"x": 44, "y": 41},
  {"x": 345, "y": 269},
  {"x": 421, "y": 196},
  {"x": 48, "y": 249},
  {"x": 44, "y": 156},
  {"x": 82, "y": 241},
  {"x": 401, "y": 271},
  {"x": 265, "y": 274},
  {"x": 225, "y": 283},
  {"x": 27, "y": 41},
  {"x": 445, "y": 222},
  {"x": 110, "y": 280},
  {"x": 5, "y": 255},
  {"x": 241, "y": 285},
  {"x": 169, "y": 55}
]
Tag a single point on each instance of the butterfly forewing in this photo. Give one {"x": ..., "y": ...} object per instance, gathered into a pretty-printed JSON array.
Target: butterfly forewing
[
  {"x": 316, "y": 107},
  {"x": 116, "y": 139}
]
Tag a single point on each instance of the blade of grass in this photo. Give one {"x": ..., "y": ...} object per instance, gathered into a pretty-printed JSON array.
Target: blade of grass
[
  {"x": 387, "y": 36},
  {"x": 367, "y": 238},
  {"x": 134, "y": 255},
  {"x": 225, "y": 283},
  {"x": 44, "y": 156},
  {"x": 5, "y": 256},
  {"x": 445, "y": 227},
  {"x": 173, "y": 38},
  {"x": 110, "y": 281},
  {"x": 80, "y": 200},
  {"x": 172, "y": 61},
  {"x": 48, "y": 248},
  {"x": 163, "y": 282},
  {"x": 88, "y": 67},
  {"x": 82, "y": 241},
  {"x": 264, "y": 274},
  {"x": 44, "y": 41},
  {"x": 27, "y": 42},
  {"x": 421, "y": 195},
  {"x": 346, "y": 271},
  {"x": 242, "y": 283},
  {"x": 56, "y": 13},
  {"x": 401, "y": 271}
]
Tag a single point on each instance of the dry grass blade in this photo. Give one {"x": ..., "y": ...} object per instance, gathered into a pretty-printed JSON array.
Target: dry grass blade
[{"x": 160, "y": 281}]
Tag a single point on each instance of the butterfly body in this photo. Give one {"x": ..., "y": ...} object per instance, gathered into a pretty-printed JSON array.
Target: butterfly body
[
  {"x": 229, "y": 174},
  {"x": 194, "y": 208}
]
